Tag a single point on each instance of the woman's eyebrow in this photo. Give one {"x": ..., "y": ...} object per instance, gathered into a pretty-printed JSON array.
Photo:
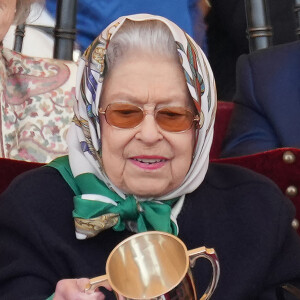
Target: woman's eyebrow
[
  {"x": 164, "y": 100},
  {"x": 124, "y": 96}
]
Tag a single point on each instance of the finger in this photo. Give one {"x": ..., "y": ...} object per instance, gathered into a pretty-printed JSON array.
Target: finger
[
  {"x": 71, "y": 289},
  {"x": 104, "y": 284},
  {"x": 97, "y": 295},
  {"x": 82, "y": 283}
]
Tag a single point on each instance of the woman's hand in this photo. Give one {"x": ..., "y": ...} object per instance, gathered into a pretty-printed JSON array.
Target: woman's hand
[{"x": 74, "y": 289}]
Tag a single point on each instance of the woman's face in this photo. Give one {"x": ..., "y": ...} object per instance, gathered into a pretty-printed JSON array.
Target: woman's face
[
  {"x": 146, "y": 161},
  {"x": 7, "y": 14}
]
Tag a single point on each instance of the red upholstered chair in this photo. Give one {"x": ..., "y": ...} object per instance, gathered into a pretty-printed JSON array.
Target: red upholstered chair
[
  {"x": 11, "y": 168},
  {"x": 223, "y": 114},
  {"x": 282, "y": 165}
]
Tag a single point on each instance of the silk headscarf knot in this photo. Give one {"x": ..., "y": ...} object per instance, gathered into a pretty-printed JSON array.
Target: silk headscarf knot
[
  {"x": 84, "y": 136},
  {"x": 128, "y": 208},
  {"x": 147, "y": 215}
]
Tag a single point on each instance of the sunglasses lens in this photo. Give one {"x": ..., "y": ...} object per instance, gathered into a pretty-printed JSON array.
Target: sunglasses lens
[
  {"x": 174, "y": 119},
  {"x": 123, "y": 115}
]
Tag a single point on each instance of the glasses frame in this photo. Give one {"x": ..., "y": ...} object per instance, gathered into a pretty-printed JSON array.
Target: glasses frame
[{"x": 196, "y": 118}]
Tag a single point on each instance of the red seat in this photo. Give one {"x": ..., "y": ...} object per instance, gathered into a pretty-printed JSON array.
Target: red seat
[
  {"x": 281, "y": 165},
  {"x": 10, "y": 168},
  {"x": 223, "y": 114}
]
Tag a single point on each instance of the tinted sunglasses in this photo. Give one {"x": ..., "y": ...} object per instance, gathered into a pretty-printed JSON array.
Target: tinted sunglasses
[{"x": 170, "y": 118}]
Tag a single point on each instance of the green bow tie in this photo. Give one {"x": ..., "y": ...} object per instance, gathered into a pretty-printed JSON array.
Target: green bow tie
[{"x": 97, "y": 208}]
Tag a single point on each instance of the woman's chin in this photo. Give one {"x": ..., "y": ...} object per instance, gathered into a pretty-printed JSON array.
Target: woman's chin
[{"x": 150, "y": 188}]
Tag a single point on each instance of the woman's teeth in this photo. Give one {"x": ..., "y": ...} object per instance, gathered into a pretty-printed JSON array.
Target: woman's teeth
[{"x": 149, "y": 160}]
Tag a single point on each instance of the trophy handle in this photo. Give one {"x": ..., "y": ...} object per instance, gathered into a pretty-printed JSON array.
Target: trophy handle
[
  {"x": 211, "y": 255},
  {"x": 95, "y": 283}
]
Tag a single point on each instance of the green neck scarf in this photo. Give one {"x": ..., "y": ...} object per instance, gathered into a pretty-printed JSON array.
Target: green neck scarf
[{"x": 97, "y": 208}]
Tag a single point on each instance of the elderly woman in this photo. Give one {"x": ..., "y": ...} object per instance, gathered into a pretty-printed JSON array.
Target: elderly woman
[{"x": 139, "y": 160}]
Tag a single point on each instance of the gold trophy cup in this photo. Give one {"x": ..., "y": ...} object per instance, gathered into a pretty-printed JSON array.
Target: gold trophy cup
[{"x": 155, "y": 265}]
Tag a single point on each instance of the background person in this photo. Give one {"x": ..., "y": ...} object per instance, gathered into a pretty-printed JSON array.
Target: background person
[
  {"x": 142, "y": 133},
  {"x": 36, "y": 97},
  {"x": 44, "y": 42},
  {"x": 13, "y": 11},
  {"x": 94, "y": 16},
  {"x": 267, "y": 102},
  {"x": 227, "y": 38}
]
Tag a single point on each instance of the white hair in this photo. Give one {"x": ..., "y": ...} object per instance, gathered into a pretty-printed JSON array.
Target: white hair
[{"x": 151, "y": 37}]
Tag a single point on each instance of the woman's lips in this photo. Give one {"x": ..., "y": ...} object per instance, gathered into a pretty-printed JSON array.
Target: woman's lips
[{"x": 149, "y": 162}]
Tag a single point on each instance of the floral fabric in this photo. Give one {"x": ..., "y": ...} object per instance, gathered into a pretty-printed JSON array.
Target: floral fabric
[{"x": 36, "y": 106}]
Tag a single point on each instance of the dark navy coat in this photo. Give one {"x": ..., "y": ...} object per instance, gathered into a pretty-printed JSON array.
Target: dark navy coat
[{"x": 267, "y": 102}]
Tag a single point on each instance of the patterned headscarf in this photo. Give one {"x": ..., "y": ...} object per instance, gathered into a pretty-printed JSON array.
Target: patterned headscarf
[{"x": 84, "y": 138}]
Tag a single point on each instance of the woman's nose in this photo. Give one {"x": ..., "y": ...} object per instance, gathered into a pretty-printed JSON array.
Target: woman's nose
[{"x": 149, "y": 131}]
